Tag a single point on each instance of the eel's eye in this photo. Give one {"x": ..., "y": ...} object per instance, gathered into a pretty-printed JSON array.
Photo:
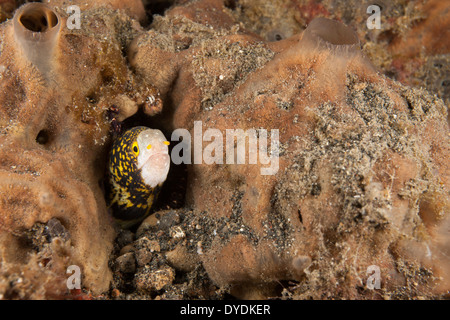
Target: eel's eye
[{"x": 135, "y": 148}]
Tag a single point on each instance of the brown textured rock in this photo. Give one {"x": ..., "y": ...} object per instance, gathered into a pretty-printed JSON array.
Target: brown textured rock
[
  {"x": 54, "y": 134},
  {"x": 181, "y": 259},
  {"x": 7, "y": 8},
  {"x": 149, "y": 280},
  {"x": 126, "y": 263},
  {"x": 144, "y": 250},
  {"x": 356, "y": 158}
]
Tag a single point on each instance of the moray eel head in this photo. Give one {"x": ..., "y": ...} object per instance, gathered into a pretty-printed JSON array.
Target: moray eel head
[
  {"x": 138, "y": 166},
  {"x": 153, "y": 157}
]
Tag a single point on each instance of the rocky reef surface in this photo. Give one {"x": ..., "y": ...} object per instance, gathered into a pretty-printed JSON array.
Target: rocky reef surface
[{"x": 361, "y": 179}]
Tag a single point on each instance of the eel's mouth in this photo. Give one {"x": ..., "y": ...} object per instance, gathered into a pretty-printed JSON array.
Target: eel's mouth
[
  {"x": 155, "y": 169},
  {"x": 158, "y": 161}
]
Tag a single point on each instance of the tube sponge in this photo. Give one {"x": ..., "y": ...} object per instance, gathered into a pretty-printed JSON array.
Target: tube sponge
[
  {"x": 335, "y": 47},
  {"x": 36, "y": 30},
  {"x": 324, "y": 33}
]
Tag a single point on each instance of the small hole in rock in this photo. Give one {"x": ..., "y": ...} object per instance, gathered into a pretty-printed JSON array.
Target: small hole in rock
[
  {"x": 230, "y": 4},
  {"x": 43, "y": 137},
  {"x": 316, "y": 189},
  {"x": 107, "y": 76},
  {"x": 157, "y": 7},
  {"x": 92, "y": 98},
  {"x": 409, "y": 104},
  {"x": 386, "y": 36},
  {"x": 275, "y": 35}
]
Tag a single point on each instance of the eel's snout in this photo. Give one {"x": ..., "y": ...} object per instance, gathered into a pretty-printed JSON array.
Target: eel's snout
[{"x": 154, "y": 159}]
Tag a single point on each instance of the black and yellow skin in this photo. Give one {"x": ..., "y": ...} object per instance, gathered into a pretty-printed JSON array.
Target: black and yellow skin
[{"x": 129, "y": 198}]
